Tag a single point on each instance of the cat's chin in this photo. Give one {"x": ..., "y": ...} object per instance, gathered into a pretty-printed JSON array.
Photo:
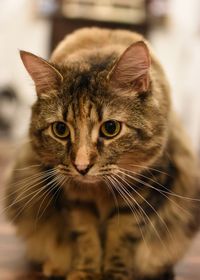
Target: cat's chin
[{"x": 88, "y": 179}]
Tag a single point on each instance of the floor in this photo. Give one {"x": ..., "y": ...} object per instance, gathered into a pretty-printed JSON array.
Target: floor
[{"x": 13, "y": 264}]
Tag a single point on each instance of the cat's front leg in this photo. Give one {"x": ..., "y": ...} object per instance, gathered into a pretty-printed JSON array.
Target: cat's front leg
[
  {"x": 83, "y": 275},
  {"x": 124, "y": 237},
  {"x": 86, "y": 248},
  {"x": 58, "y": 260},
  {"x": 169, "y": 275},
  {"x": 121, "y": 239},
  {"x": 48, "y": 245}
]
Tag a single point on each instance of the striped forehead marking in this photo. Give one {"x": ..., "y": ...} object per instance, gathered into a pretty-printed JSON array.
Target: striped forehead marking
[{"x": 83, "y": 110}]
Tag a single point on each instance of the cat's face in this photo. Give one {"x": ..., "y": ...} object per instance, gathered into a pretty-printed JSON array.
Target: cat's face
[{"x": 91, "y": 124}]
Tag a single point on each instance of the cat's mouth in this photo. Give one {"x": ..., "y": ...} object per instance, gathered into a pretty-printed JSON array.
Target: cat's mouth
[
  {"x": 88, "y": 179},
  {"x": 73, "y": 174},
  {"x": 92, "y": 177}
]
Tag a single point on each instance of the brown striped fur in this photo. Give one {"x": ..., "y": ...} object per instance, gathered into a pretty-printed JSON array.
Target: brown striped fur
[{"x": 133, "y": 215}]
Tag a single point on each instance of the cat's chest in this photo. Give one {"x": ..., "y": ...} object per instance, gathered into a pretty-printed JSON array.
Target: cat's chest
[{"x": 91, "y": 201}]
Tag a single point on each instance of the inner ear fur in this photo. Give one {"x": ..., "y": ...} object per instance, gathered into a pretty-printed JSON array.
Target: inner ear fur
[
  {"x": 131, "y": 71},
  {"x": 45, "y": 76}
]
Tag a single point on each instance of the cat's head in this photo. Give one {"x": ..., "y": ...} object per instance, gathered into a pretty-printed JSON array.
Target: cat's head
[{"x": 99, "y": 116}]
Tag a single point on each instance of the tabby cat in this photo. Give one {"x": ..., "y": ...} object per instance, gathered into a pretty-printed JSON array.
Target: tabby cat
[{"x": 106, "y": 188}]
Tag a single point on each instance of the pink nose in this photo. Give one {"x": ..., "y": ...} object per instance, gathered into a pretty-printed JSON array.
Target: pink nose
[{"x": 82, "y": 168}]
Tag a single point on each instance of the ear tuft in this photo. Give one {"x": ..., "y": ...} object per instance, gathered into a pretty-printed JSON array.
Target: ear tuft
[
  {"x": 132, "y": 68},
  {"x": 45, "y": 76}
]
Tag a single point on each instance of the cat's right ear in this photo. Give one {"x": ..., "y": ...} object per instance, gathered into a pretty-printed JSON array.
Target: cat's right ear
[{"x": 45, "y": 76}]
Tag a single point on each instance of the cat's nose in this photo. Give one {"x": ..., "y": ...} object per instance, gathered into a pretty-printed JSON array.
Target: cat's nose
[
  {"x": 82, "y": 160},
  {"x": 82, "y": 168}
]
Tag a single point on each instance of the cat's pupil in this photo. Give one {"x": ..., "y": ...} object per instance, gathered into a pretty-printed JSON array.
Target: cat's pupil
[
  {"x": 60, "y": 128},
  {"x": 110, "y": 127}
]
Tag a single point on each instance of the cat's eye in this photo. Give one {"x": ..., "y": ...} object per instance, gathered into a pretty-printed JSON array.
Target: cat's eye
[
  {"x": 60, "y": 130},
  {"x": 110, "y": 129}
]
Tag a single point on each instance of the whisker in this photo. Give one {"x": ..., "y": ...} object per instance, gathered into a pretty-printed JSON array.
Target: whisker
[
  {"x": 131, "y": 206},
  {"x": 46, "y": 193},
  {"x": 151, "y": 223},
  {"x": 16, "y": 190},
  {"x": 113, "y": 194},
  {"x": 17, "y": 200},
  {"x": 58, "y": 185},
  {"x": 160, "y": 191},
  {"x": 36, "y": 193},
  {"x": 28, "y": 182},
  {"x": 149, "y": 204},
  {"x": 44, "y": 178},
  {"x": 27, "y": 167},
  {"x": 19, "y": 185},
  {"x": 149, "y": 168},
  {"x": 166, "y": 189}
]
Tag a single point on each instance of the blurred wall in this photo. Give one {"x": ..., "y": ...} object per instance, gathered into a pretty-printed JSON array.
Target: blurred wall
[
  {"x": 20, "y": 28},
  {"x": 178, "y": 47}
]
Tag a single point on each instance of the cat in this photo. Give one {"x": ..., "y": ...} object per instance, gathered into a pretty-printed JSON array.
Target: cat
[{"x": 107, "y": 187}]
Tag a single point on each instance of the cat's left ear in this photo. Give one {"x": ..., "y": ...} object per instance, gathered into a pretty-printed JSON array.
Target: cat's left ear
[
  {"x": 132, "y": 69},
  {"x": 45, "y": 76}
]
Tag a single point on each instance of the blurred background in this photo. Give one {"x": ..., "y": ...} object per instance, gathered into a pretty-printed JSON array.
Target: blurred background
[{"x": 172, "y": 26}]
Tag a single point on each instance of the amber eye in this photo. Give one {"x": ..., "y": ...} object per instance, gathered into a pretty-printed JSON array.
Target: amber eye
[
  {"x": 110, "y": 129},
  {"x": 60, "y": 129}
]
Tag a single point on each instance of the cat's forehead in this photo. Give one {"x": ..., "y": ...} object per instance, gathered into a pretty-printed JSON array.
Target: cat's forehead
[
  {"x": 85, "y": 94},
  {"x": 90, "y": 98},
  {"x": 83, "y": 108}
]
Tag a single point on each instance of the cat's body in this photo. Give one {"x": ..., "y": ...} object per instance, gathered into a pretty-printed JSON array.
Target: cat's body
[{"x": 128, "y": 209}]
